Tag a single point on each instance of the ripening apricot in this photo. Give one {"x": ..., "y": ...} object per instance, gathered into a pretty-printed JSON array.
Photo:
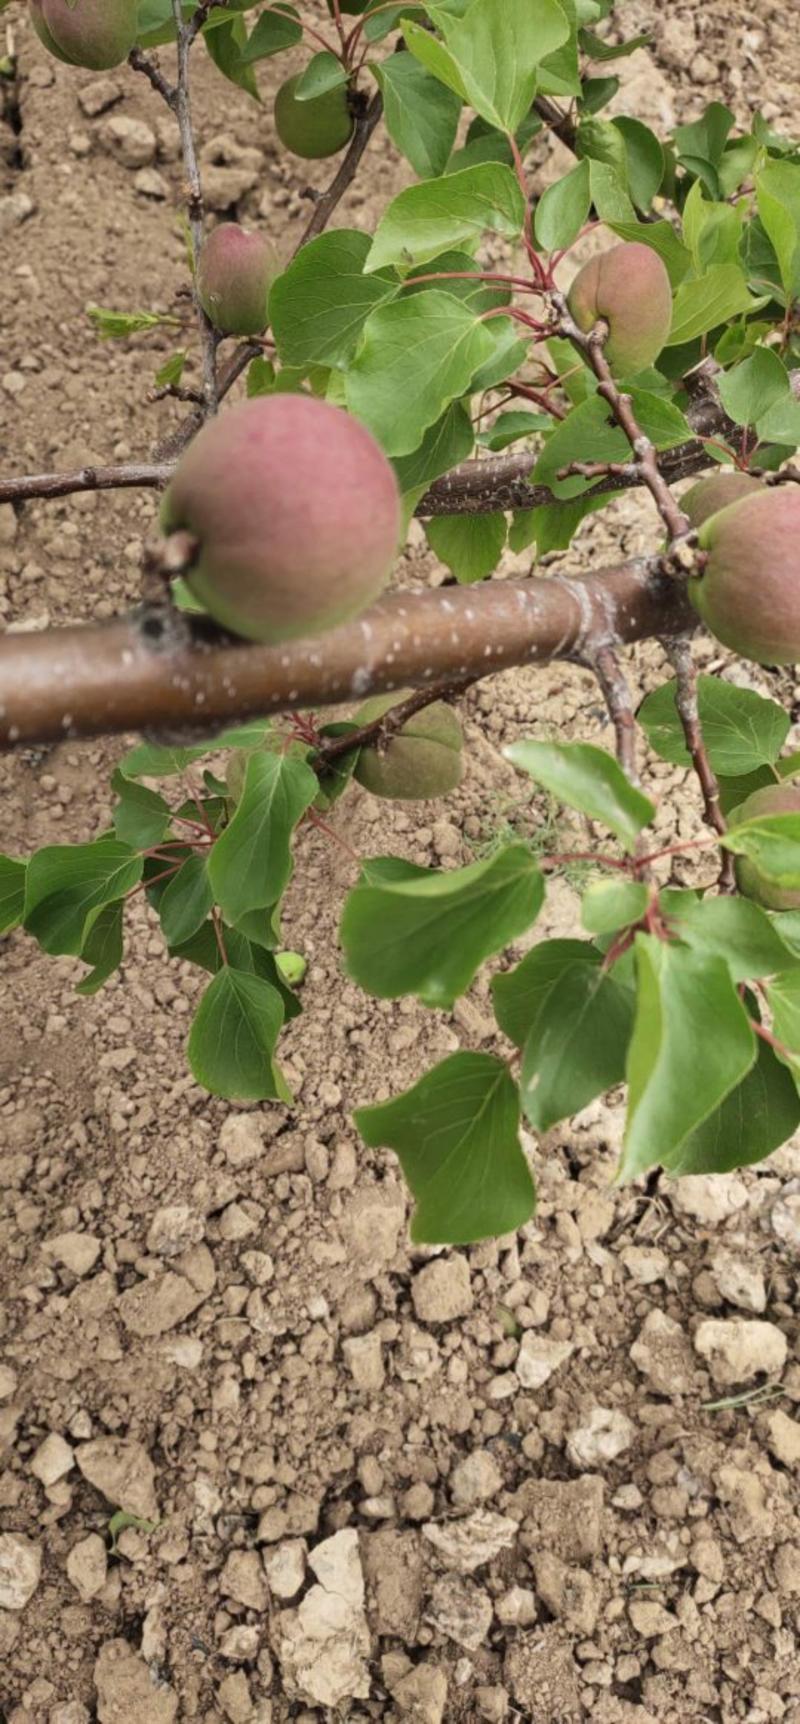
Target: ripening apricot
[
  {"x": 773, "y": 799},
  {"x": 316, "y": 128},
  {"x": 296, "y": 514},
  {"x": 235, "y": 272},
  {"x": 96, "y": 34},
  {"x": 422, "y": 760},
  {"x": 748, "y": 594},
  {"x": 708, "y": 496},
  {"x": 627, "y": 286}
]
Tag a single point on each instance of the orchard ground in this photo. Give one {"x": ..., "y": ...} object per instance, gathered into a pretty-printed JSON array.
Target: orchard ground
[{"x": 249, "y": 1325}]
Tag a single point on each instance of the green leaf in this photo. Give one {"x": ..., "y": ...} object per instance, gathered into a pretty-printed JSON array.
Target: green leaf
[
  {"x": 171, "y": 371},
  {"x": 233, "y": 1036},
  {"x": 426, "y": 219},
  {"x": 102, "y": 946},
  {"x": 742, "y": 730},
  {"x": 226, "y": 45},
  {"x": 251, "y": 863},
  {"x": 611, "y": 904},
  {"x": 576, "y": 1049},
  {"x": 186, "y": 901},
  {"x": 692, "y": 1044},
  {"x": 116, "y": 325},
  {"x": 66, "y": 881},
  {"x": 470, "y": 545},
  {"x": 446, "y": 443},
  {"x": 756, "y": 1118},
  {"x": 319, "y": 306},
  {"x": 12, "y": 893},
  {"x": 563, "y": 209},
  {"x": 410, "y": 930},
  {"x": 456, "y": 1134},
  {"x": 734, "y": 791},
  {"x": 324, "y": 72},
  {"x": 588, "y": 779},
  {"x": 490, "y": 54},
  {"x": 712, "y": 231},
  {"x": 421, "y": 113},
  {"x": 509, "y": 428},
  {"x": 735, "y": 929},
  {"x": 274, "y": 31},
  {"x": 753, "y": 387},
  {"x": 521, "y": 996},
  {"x": 714, "y": 298},
  {"x": 161, "y": 760},
  {"x": 783, "y": 998},
  {"x": 778, "y": 197},
  {"x": 644, "y": 158},
  {"x": 700, "y": 145},
  {"x": 598, "y": 49},
  {"x": 416, "y": 357},
  {"x": 141, "y": 817},
  {"x": 773, "y": 842},
  {"x": 589, "y": 433}
]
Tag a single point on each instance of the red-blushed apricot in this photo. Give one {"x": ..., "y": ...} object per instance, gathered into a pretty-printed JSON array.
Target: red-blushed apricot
[
  {"x": 96, "y": 34},
  {"x": 422, "y": 760},
  {"x": 773, "y": 799},
  {"x": 316, "y": 128},
  {"x": 629, "y": 287},
  {"x": 708, "y": 496},
  {"x": 235, "y": 272},
  {"x": 748, "y": 594},
  {"x": 296, "y": 513}
]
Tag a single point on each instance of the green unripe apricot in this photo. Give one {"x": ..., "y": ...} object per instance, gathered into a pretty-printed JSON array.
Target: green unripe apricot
[
  {"x": 234, "y": 275},
  {"x": 316, "y": 128},
  {"x": 296, "y": 514},
  {"x": 629, "y": 287},
  {"x": 708, "y": 496},
  {"x": 97, "y": 34},
  {"x": 773, "y": 799},
  {"x": 424, "y": 758},
  {"x": 749, "y": 592}
]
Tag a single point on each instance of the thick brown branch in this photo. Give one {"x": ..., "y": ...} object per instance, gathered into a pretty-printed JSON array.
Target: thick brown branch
[{"x": 157, "y": 669}]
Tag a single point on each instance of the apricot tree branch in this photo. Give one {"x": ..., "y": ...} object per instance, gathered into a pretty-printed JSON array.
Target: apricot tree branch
[
  {"x": 158, "y": 669},
  {"x": 377, "y": 733},
  {"x": 679, "y": 653},
  {"x": 617, "y": 696},
  {"x": 182, "y": 109},
  {"x": 326, "y": 203},
  {"x": 141, "y": 62}
]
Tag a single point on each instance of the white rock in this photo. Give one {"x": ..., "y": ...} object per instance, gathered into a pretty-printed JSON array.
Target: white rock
[
  {"x": 739, "y": 1281},
  {"x": 241, "y": 1139},
  {"x": 8, "y": 1382},
  {"x": 475, "y": 1479},
  {"x": 421, "y": 1694},
  {"x": 52, "y": 1460},
  {"x": 20, "y": 1570},
  {"x": 122, "y": 1470},
  {"x": 87, "y": 1566},
  {"x": 708, "y": 1197},
  {"x": 784, "y": 1219},
  {"x": 441, "y": 1291},
  {"x": 604, "y": 1435},
  {"x": 539, "y": 1357},
  {"x": 661, "y": 1352},
  {"x": 517, "y": 1607},
  {"x": 783, "y": 1438},
  {"x": 644, "y": 1264},
  {"x": 77, "y": 1251},
  {"x": 129, "y": 141},
  {"x": 363, "y": 1356},
  {"x": 467, "y": 1544},
  {"x": 128, "y": 1691},
  {"x": 285, "y": 1566},
  {"x": 242, "y": 1579},
  {"x": 173, "y": 1229},
  {"x": 323, "y": 1645},
  {"x": 462, "y": 1611},
  {"x": 737, "y": 1351}
]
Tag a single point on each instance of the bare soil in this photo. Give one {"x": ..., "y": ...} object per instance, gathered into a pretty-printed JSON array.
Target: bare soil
[{"x": 387, "y": 1483}]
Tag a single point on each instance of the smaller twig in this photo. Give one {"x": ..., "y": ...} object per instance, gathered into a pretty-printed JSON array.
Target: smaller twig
[
  {"x": 326, "y": 203},
  {"x": 174, "y": 392},
  {"x": 379, "y": 731},
  {"x": 679, "y": 653},
  {"x": 194, "y": 191},
  {"x": 617, "y": 696},
  {"x": 141, "y": 62},
  {"x": 200, "y": 17}
]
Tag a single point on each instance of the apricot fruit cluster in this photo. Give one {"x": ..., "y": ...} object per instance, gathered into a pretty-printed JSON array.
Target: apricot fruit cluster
[
  {"x": 315, "y": 128},
  {"x": 97, "y": 34},
  {"x": 752, "y": 883},
  {"x": 295, "y": 511},
  {"x": 235, "y": 272},
  {"x": 748, "y": 593},
  {"x": 629, "y": 288},
  {"x": 422, "y": 760}
]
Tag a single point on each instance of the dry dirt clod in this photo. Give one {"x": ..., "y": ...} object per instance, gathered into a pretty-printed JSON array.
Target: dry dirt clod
[
  {"x": 663, "y": 1355},
  {"x": 77, "y": 1251},
  {"x": 539, "y": 1357},
  {"x": 475, "y": 1479},
  {"x": 462, "y": 1611},
  {"x": 465, "y": 1545},
  {"x": 52, "y": 1460},
  {"x": 441, "y": 1291},
  {"x": 242, "y": 1579},
  {"x": 323, "y": 1644},
  {"x": 421, "y": 1696},
  {"x": 601, "y": 1438},
  {"x": 123, "y": 1472},
  {"x": 87, "y": 1566},
  {"x": 737, "y": 1351},
  {"x": 152, "y": 1307},
  {"x": 20, "y": 1570},
  {"x": 127, "y": 1692}
]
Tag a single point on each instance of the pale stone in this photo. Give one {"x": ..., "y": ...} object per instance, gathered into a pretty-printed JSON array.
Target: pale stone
[
  {"x": 441, "y": 1291},
  {"x": 122, "y": 1471},
  {"x": 601, "y": 1438},
  {"x": 738, "y": 1350},
  {"x": 539, "y": 1357},
  {"x": 285, "y": 1566},
  {"x": 467, "y": 1544},
  {"x": 475, "y": 1479},
  {"x": 739, "y": 1281},
  {"x": 709, "y": 1198},
  {"x": 20, "y": 1570},
  {"x": 128, "y": 1690},
  {"x": 87, "y": 1566},
  {"x": 52, "y": 1460},
  {"x": 242, "y": 1579},
  {"x": 77, "y": 1251}
]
